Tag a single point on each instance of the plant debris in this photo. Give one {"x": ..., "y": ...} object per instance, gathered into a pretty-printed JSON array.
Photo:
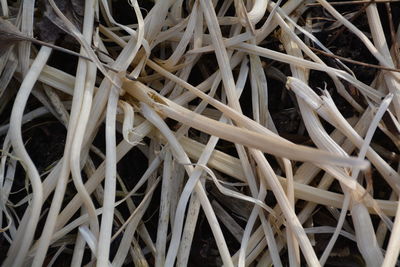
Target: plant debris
[{"x": 200, "y": 133}]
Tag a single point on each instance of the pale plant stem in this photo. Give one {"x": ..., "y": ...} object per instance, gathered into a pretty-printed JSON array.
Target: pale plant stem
[
  {"x": 34, "y": 114},
  {"x": 24, "y": 48},
  {"x": 267, "y": 28},
  {"x": 85, "y": 218},
  {"x": 194, "y": 205},
  {"x": 79, "y": 248},
  {"x": 346, "y": 202},
  {"x": 374, "y": 51},
  {"x": 143, "y": 233},
  {"x": 221, "y": 54},
  {"x": 56, "y": 255},
  {"x": 268, "y": 233},
  {"x": 291, "y": 218},
  {"x": 258, "y": 77},
  {"x": 59, "y": 107},
  {"x": 182, "y": 256},
  {"x": 191, "y": 218},
  {"x": 99, "y": 103},
  {"x": 391, "y": 79},
  {"x": 293, "y": 248},
  {"x": 264, "y": 52},
  {"x": 254, "y": 92},
  {"x": 71, "y": 148},
  {"x": 289, "y": 31},
  {"x": 305, "y": 174},
  {"x": 80, "y": 38},
  {"x": 284, "y": 26},
  {"x": 260, "y": 194},
  {"x": 315, "y": 129},
  {"x": 307, "y": 194},
  {"x": 342, "y": 217},
  {"x": 382, "y": 229},
  {"x": 190, "y": 60},
  {"x": 178, "y": 173},
  {"x": 180, "y": 49},
  {"x": 358, "y": 213},
  {"x": 4, "y": 8},
  {"x": 247, "y": 231},
  {"x": 74, "y": 165},
  {"x": 155, "y": 19},
  {"x": 365, "y": 234},
  {"x": 257, "y": 11},
  {"x": 229, "y": 112},
  {"x": 98, "y": 176},
  {"x": 163, "y": 219},
  {"x": 20, "y": 246},
  {"x": 6, "y": 181},
  {"x": 393, "y": 249},
  {"x": 171, "y": 111},
  {"x": 290, "y": 45},
  {"x": 121, "y": 63},
  {"x": 182, "y": 158},
  {"x": 203, "y": 159},
  {"x": 10, "y": 68},
  {"x": 325, "y": 182},
  {"x": 131, "y": 225},
  {"x": 104, "y": 241},
  {"x": 329, "y": 113},
  {"x": 137, "y": 256},
  {"x": 366, "y": 240},
  {"x": 50, "y": 182}
]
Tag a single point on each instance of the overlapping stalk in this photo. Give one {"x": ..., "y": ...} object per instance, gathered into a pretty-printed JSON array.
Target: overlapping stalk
[{"x": 190, "y": 77}]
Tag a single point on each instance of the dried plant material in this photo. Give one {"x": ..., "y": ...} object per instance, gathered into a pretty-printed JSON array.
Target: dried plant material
[
  {"x": 51, "y": 27},
  {"x": 197, "y": 147},
  {"x": 243, "y": 16},
  {"x": 10, "y": 35}
]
